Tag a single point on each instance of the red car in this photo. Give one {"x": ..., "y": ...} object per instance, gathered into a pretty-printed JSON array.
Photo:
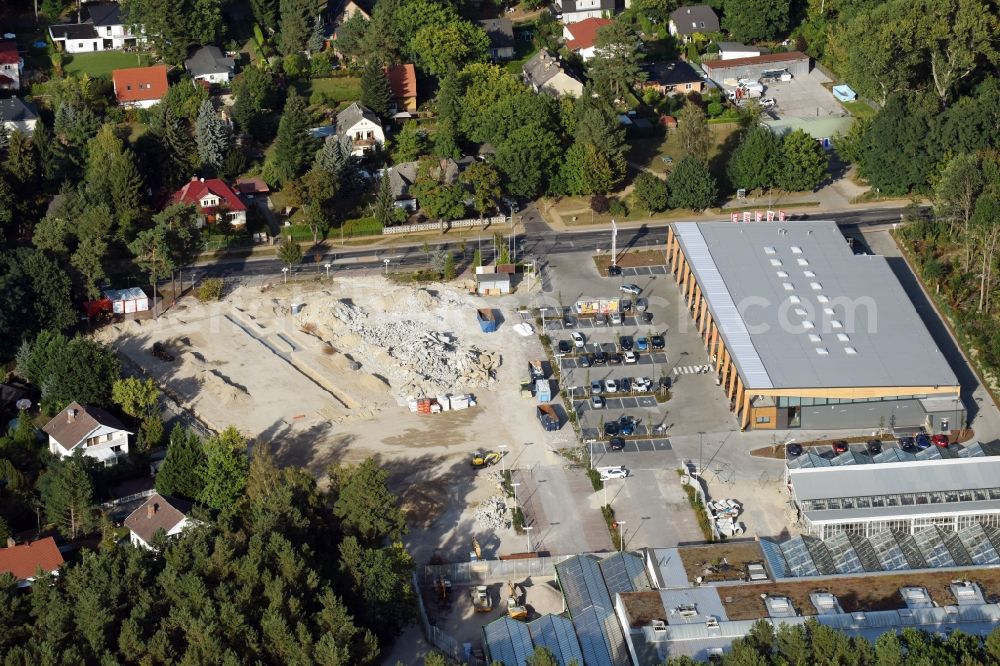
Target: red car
[
  {"x": 940, "y": 440},
  {"x": 840, "y": 446}
]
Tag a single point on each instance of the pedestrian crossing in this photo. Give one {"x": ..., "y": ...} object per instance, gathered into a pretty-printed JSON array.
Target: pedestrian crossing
[{"x": 692, "y": 369}]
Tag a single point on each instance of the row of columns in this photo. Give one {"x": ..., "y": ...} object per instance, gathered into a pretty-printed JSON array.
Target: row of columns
[{"x": 726, "y": 374}]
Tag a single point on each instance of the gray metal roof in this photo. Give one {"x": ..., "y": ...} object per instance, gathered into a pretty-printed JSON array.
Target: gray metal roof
[
  {"x": 901, "y": 478},
  {"x": 695, "y": 18},
  {"x": 624, "y": 572},
  {"x": 592, "y": 610},
  {"x": 910, "y": 511},
  {"x": 798, "y": 309},
  {"x": 508, "y": 641},
  {"x": 209, "y": 60},
  {"x": 353, "y": 114},
  {"x": 556, "y": 633}
]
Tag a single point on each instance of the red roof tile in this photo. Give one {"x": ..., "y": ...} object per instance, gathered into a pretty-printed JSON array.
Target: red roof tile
[
  {"x": 402, "y": 81},
  {"x": 584, "y": 33},
  {"x": 140, "y": 84},
  {"x": 8, "y": 53},
  {"x": 196, "y": 189},
  {"x": 25, "y": 560}
]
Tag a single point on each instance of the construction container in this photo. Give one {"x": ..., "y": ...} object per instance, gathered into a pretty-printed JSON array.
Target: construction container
[
  {"x": 459, "y": 402},
  {"x": 543, "y": 389},
  {"x": 445, "y": 402},
  {"x": 487, "y": 322},
  {"x": 548, "y": 417}
]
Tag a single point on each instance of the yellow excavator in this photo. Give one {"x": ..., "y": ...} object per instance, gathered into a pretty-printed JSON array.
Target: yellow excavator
[
  {"x": 515, "y": 602},
  {"x": 481, "y": 599},
  {"x": 482, "y": 459}
]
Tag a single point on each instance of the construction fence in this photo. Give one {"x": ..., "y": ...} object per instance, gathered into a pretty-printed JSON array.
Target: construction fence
[
  {"x": 439, "y": 639},
  {"x": 489, "y": 571}
]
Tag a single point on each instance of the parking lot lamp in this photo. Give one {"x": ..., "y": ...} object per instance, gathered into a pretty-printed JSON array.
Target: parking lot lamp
[
  {"x": 590, "y": 445},
  {"x": 514, "y": 486},
  {"x": 285, "y": 271},
  {"x": 327, "y": 267},
  {"x": 527, "y": 532},
  {"x": 621, "y": 536},
  {"x": 503, "y": 458}
]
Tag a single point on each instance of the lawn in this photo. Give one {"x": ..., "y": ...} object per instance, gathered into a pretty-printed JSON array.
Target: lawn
[
  {"x": 859, "y": 109},
  {"x": 648, "y": 152},
  {"x": 102, "y": 62},
  {"x": 336, "y": 89}
]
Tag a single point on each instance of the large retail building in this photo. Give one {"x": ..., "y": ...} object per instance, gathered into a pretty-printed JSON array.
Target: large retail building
[{"x": 803, "y": 333}]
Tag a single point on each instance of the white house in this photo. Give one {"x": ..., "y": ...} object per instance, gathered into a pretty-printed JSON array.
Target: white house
[
  {"x": 99, "y": 27},
  {"x": 11, "y": 65},
  {"x": 214, "y": 200},
  {"x": 18, "y": 115},
  {"x": 544, "y": 73},
  {"x": 578, "y": 10},
  {"x": 159, "y": 512},
  {"x": 581, "y": 37},
  {"x": 210, "y": 65},
  {"x": 91, "y": 430},
  {"x": 363, "y": 127},
  {"x": 23, "y": 561},
  {"x": 734, "y": 50}
]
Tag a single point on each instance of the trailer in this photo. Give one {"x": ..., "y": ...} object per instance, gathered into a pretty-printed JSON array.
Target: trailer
[
  {"x": 548, "y": 417},
  {"x": 538, "y": 369},
  {"x": 487, "y": 320},
  {"x": 543, "y": 388}
]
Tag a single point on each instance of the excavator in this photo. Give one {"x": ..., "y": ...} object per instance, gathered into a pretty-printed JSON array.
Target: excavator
[
  {"x": 481, "y": 599},
  {"x": 515, "y": 602},
  {"x": 482, "y": 459}
]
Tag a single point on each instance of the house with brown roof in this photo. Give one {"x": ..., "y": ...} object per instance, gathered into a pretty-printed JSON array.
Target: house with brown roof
[
  {"x": 90, "y": 430},
  {"x": 159, "y": 512},
  {"x": 25, "y": 561},
  {"x": 581, "y": 37},
  {"x": 214, "y": 200},
  {"x": 672, "y": 78},
  {"x": 403, "y": 83},
  {"x": 10, "y": 65},
  {"x": 140, "y": 87}
]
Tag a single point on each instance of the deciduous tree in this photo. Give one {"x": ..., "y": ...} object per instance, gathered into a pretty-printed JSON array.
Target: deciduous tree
[
  {"x": 754, "y": 163},
  {"x": 693, "y": 133},
  {"x": 804, "y": 162},
  {"x": 444, "y": 49},
  {"x": 225, "y": 470},
  {"x": 484, "y": 181},
  {"x": 651, "y": 192},
  {"x": 691, "y": 185},
  {"x": 756, "y": 20}
]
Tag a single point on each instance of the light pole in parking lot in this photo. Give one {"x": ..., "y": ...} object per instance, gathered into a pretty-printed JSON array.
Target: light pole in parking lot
[
  {"x": 621, "y": 536},
  {"x": 527, "y": 533},
  {"x": 503, "y": 458},
  {"x": 514, "y": 486}
]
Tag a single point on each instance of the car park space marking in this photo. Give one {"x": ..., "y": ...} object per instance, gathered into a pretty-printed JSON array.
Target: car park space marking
[
  {"x": 658, "y": 270},
  {"x": 647, "y": 401},
  {"x": 644, "y": 445},
  {"x": 629, "y": 403},
  {"x": 691, "y": 369}
]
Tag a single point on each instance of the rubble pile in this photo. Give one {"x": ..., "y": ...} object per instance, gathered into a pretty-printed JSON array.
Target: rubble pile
[
  {"x": 420, "y": 362},
  {"x": 492, "y": 513}
]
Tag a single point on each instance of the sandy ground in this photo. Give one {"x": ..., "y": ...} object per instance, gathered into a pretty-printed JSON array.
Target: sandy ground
[{"x": 321, "y": 393}]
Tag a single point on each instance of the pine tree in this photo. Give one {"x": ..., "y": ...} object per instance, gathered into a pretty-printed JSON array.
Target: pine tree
[
  {"x": 384, "y": 208},
  {"x": 126, "y": 186},
  {"x": 265, "y": 12},
  {"x": 295, "y": 25},
  {"x": 180, "y": 474},
  {"x": 48, "y": 157},
  {"x": 293, "y": 146},
  {"x": 375, "y": 91},
  {"x": 178, "y": 145},
  {"x": 67, "y": 494},
  {"x": 4, "y": 136},
  {"x": 334, "y": 156},
  {"x": 211, "y": 135},
  {"x": 449, "y": 266},
  {"x": 316, "y": 41}
]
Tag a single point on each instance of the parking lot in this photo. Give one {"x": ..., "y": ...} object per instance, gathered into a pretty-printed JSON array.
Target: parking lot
[{"x": 803, "y": 97}]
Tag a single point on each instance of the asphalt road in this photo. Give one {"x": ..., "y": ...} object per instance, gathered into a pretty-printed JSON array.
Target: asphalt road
[{"x": 538, "y": 241}]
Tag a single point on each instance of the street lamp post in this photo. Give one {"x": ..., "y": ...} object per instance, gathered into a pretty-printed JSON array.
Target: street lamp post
[
  {"x": 503, "y": 458},
  {"x": 514, "y": 486},
  {"x": 621, "y": 536},
  {"x": 527, "y": 533},
  {"x": 327, "y": 267},
  {"x": 386, "y": 262},
  {"x": 590, "y": 445},
  {"x": 285, "y": 271}
]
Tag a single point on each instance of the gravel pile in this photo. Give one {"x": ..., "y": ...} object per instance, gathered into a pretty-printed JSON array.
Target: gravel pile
[
  {"x": 492, "y": 513},
  {"x": 423, "y": 362}
]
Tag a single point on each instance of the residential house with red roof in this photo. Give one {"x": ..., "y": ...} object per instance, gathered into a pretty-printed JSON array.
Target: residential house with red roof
[
  {"x": 24, "y": 561},
  {"x": 10, "y": 65},
  {"x": 91, "y": 430},
  {"x": 141, "y": 87},
  {"x": 159, "y": 512},
  {"x": 403, "y": 83},
  {"x": 582, "y": 35},
  {"x": 214, "y": 200}
]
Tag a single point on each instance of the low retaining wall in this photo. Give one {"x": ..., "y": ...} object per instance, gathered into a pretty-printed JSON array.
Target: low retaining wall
[{"x": 444, "y": 226}]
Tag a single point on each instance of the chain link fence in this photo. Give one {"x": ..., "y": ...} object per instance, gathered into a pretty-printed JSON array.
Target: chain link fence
[{"x": 490, "y": 571}]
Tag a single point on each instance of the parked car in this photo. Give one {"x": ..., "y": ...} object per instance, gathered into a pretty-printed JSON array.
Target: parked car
[
  {"x": 630, "y": 288},
  {"x": 874, "y": 447},
  {"x": 596, "y": 388},
  {"x": 600, "y": 319},
  {"x": 596, "y": 402},
  {"x": 767, "y": 102},
  {"x": 600, "y": 357},
  {"x": 614, "y": 359},
  {"x": 563, "y": 347},
  {"x": 643, "y": 383},
  {"x": 657, "y": 342},
  {"x": 641, "y": 304},
  {"x": 610, "y": 385},
  {"x": 642, "y": 344},
  {"x": 625, "y": 342},
  {"x": 647, "y": 317},
  {"x": 794, "y": 450},
  {"x": 631, "y": 357},
  {"x": 626, "y": 306},
  {"x": 586, "y": 360},
  {"x": 569, "y": 322},
  {"x": 626, "y": 426},
  {"x": 610, "y": 428},
  {"x": 616, "y": 444},
  {"x": 614, "y": 270},
  {"x": 923, "y": 441},
  {"x": 840, "y": 446},
  {"x": 907, "y": 443},
  {"x": 578, "y": 340},
  {"x": 613, "y": 472},
  {"x": 625, "y": 385},
  {"x": 616, "y": 318},
  {"x": 941, "y": 440}
]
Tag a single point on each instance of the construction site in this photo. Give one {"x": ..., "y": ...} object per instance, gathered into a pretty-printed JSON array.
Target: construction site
[{"x": 332, "y": 372}]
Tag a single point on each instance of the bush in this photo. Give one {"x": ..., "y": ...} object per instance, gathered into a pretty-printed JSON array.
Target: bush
[
  {"x": 714, "y": 109},
  {"x": 295, "y": 65},
  {"x": 617, "y": 207},
  {"x": 599, "y": 203},
  {"x": 320, "y": 64},
  {"x": 210, "y": 290},
  {"x": 651, "y": 192},
  {"x": 364, "y": 226},
  {"x": 595, "y": 479},
  {"x": 699, "y": 511},
  {"x": 318, "y": 98}
]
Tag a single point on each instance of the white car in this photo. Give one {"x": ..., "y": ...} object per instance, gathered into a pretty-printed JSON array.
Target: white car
[
  {"x": 767, "y": 102},
  {"x": 642, "y": 383},
  {"x": 617, "y": 472},
  {"x": 610, "y": 386},
  {"x": 630, "y": 357},
  {"x": 578, "y": 340},
  {"x": 616, "y": 318}
]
